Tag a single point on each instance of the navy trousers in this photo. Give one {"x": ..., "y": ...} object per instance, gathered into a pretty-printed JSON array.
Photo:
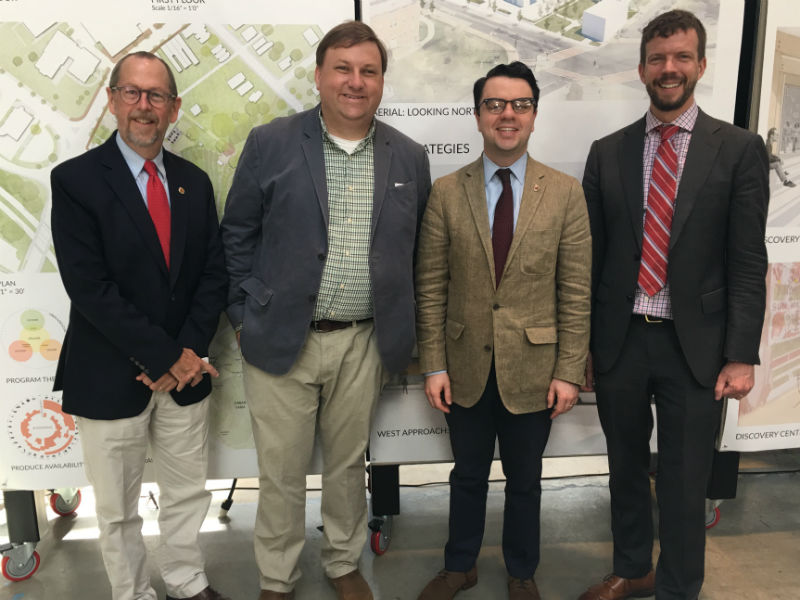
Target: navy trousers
[{"x": 521, "y": 439}]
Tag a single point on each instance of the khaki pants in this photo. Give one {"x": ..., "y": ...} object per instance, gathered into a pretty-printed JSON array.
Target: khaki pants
[
  {"x": 334, "y": 384},
  {"x": 114, "y": 453}
]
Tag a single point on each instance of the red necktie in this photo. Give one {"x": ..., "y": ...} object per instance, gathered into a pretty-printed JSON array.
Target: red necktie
[
  {"x": 158, "y": 205},
  {"x": 503, "y": 227},
  {"x": 658, "y": 220}
]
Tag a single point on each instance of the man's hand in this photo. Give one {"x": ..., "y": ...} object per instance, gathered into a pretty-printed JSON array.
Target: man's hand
[
  {"x": 165, "y": 383},
  {"x": 189, "y": 369},
  {"x": 437, "y": 390},
  {"x": 735, "y": 380},
  {"x": 561, "y": 396},
  {"x": 588, "y": 385}
]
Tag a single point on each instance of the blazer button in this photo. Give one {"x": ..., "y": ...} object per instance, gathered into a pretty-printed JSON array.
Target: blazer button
[
  {"x": 629, "y": 298},
  {"x": 172, "y": 297},
  {"x": 496, "y": 306},
  {"x": 488, "y": 348},
  {"x": 637, "y": 257},
  {"x": 321, "y": 256}
]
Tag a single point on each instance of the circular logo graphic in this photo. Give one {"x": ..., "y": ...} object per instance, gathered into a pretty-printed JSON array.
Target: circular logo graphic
[
  {"x": 33, "y": 338},
  {"x": 38, "y": 427}
]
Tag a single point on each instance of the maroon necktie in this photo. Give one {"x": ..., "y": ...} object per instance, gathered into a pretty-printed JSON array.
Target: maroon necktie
[
  {"x": 658, "y": 220},
  {"x": 503, "y": 227},
  {"x": 158, "y": 206}
]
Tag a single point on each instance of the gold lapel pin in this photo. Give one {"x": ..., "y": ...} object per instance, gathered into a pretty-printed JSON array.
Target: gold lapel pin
[{"x": 181, "y": 190}]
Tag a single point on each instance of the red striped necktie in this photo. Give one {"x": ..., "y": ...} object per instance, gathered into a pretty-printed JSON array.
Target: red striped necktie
[
  {"x": 658, "y": 220},
  {"x": 158, "y": 205}
]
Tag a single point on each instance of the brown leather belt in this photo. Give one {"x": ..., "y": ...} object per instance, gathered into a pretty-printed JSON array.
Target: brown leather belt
[{"x": 326, "y": 326}]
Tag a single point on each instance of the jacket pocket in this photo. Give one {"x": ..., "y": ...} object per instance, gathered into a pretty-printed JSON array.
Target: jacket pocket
[
  {"x": 453, "y": 329},
  {"x": 538, "y": 251},
  {"x": 715, "y": 301},
  {"x": 256, "y": 290},
  {"x": 542, "y": 335}
]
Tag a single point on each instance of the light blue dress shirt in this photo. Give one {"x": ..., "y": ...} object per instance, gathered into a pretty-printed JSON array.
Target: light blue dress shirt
[
  {"x": 494, "y": 186},
  {"x": 136, "y": 164}
]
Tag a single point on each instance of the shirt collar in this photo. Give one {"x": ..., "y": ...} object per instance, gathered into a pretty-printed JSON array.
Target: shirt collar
[
  {"x": 135, "y": 161},
  {"x": 517, "y": 169},
  {"x": 327, "y": 135},
  {"x": 685, "y": 120}
]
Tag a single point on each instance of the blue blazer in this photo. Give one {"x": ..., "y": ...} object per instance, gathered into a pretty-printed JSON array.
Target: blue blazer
[
  {"x": 129, "y": 313},
  {"x": 275, "y": 232}
]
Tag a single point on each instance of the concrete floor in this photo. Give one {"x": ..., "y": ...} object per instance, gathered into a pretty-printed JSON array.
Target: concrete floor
[{"x": 752, "y": 553}]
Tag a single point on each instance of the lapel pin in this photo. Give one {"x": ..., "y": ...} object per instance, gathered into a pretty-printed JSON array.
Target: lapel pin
[
  {"x": 181, "y": 190},
  {"x": 535, "y": 187}
]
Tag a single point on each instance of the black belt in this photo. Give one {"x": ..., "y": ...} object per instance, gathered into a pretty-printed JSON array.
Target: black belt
[
  {"x": 650, "y": 319},
  {"x": 326, "y": 326}
]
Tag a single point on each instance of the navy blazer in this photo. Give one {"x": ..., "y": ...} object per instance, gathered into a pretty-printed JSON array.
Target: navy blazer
[
  {"x": 129, "y": 313},
  {"x": 717, "y": 255},
  {"x": 275, "y": 232}
]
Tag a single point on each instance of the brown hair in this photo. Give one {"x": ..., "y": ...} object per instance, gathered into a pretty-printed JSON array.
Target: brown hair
[
  {"x": 349, "y": 34},
  {"x": 664, "y": 25},
  {"x": 113, "y": 80}
]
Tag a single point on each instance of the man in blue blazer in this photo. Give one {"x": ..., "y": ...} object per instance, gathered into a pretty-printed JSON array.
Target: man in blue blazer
[
  {"x": 137, "y": 241},
  {"x": 320, "y": 230},
  {"x": 677, "y": 203}
]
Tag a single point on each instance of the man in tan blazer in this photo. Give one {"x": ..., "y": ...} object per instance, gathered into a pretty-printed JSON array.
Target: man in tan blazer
[{"x": 503, "y": 286}]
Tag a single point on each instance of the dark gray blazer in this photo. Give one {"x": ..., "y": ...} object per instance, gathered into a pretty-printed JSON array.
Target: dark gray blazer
[
  {"x": 275, "y": 233},
  {"x": 717, "y": 256}
]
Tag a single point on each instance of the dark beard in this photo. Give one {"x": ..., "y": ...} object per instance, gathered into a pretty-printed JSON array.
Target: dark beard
[{"x": 665, "y": 106}]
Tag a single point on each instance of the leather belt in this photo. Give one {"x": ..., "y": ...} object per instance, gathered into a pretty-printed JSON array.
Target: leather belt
[
  {"x": 651, "y": 320},
  {"x": 326, "y": 326}
]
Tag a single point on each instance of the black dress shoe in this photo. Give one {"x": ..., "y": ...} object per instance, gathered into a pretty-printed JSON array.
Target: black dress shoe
[{"x": 207, "y": 594}]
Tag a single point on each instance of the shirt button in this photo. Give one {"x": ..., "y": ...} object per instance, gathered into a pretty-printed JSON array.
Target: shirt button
[
  {"x": 347, "y": 252},
  {"x": 349, "y": 188}
]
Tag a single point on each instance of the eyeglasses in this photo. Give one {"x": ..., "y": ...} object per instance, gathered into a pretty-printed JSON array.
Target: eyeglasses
[
  {"x": 131, "y": 95},
  {"x": 498, "y": 105}
]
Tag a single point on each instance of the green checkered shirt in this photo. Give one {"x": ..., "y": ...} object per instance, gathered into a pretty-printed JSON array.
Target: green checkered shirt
[{"x": 345, "y": 293}]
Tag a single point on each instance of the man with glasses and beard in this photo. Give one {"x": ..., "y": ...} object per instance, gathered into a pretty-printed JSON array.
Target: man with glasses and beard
[
  {"x": 138, "y": 247},
  {"x": 678, "y": 204}
]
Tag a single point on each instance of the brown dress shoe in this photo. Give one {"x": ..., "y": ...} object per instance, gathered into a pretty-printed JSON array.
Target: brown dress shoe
[
  {"x": 614, "y": 587},
  {"x": 522, "y": 589},
  {"x": 272, "y": 595},
  {"x": 448, "y": 583},
  {"x": 207, "y": 594},
  {"x": 351, "y": 586}
]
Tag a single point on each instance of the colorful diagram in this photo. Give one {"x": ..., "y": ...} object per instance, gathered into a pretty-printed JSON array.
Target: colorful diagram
[
  {"x": 33, "y": 337},
  {"x": 38, "y": 427}
]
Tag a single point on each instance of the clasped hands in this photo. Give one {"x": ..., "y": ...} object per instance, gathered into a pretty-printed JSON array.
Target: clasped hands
[{"x": 188, "y": 369}]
